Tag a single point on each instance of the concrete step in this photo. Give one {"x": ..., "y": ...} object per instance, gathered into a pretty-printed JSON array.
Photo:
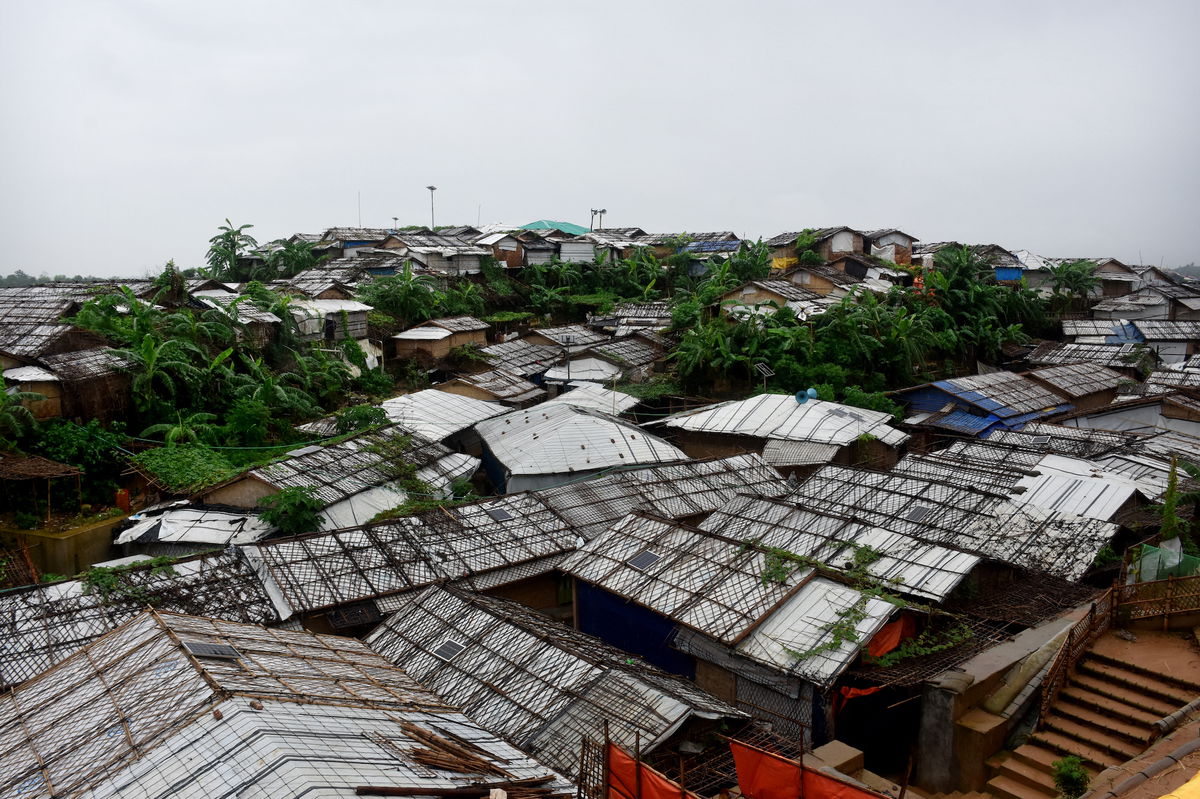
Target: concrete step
[
  {"x": 1188, "y": 686},
  {"x": 1008, "y": 788},
  {"x": 1109, "y": 706},
  {"x": 1093, "y": 736},
  {"x": 1150, "y": 686},
  {"x": 1123, "y": 693},
  {"x": 1138, "y": 735},
  {"x": 1043, "y": 757},
  {"x": 1099, "y": 759},
  {"x": 1033, "y": 776}
]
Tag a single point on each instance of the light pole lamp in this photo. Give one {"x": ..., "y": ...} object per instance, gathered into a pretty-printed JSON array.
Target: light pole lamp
[{"x": 432, "y": 222}]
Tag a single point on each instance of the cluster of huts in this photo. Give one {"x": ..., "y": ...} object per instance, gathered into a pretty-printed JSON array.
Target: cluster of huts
[{"x": 774, "y": 567}]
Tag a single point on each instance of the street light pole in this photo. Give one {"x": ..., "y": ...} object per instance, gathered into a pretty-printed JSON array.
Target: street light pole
[{"x": 432, "y": 222}]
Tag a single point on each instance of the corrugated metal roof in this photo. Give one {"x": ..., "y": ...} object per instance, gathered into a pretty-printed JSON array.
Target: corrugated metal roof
[
  {"x": 561, "y": 438},
  {"x": 779, "y": 416},
  {"x": 714, "y": 585},
  {"x": 175, "y": 705},
  {"x": 536, "y": 682},
  {"x": 798, "y": 453},
  {"x": 1078, "y": 380},
  {"x": 683, "y": 490},
  {"x": 322, "y": 570},
  {"x": 460, "y": 324},
  {"x": 982, "y": 522},
  {"x": 907, "y": 565},
  {"x": 438, "y": 414},
  {"x": 521, "y": 356},
  {"x": 1115, "y": 356},
  {"x": 424, "y": 333},
  {"x": 1004, "y": 394},
  {"x": 597, "y": 398},
  {"x": 30, "y": 374},
  {"x": 502, "y": 384}
]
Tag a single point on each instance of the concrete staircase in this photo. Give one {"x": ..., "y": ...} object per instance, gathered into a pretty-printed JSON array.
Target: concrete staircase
[{"x": 1104, "y": 716}]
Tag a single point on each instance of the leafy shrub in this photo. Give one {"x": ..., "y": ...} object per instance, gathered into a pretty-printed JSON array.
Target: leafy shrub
[
  {"x": 1070, "y": 777},
  {"x": 360, "y": 417},
  {"x": 185, "y": 468},
  {"x": 293, "y": 510},
  {"x": 25, "y": 521}
]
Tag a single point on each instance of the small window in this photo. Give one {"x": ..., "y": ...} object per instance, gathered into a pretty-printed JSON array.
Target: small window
[
  {"x": 449, "y": 649},
  {"x": 204, "y": 649},
  {"x": 917, "y": 512},
  {"x": 644, "y": 560},
  {"x": 499, "y": 514}
]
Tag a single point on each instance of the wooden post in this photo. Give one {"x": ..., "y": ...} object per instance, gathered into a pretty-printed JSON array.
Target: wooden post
[
  {"x": 1170, "y": 601},
  {"x": 637, "y": 764}
]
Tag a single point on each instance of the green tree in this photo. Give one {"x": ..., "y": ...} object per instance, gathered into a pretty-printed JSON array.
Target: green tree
[
  {"x": 195, "y": 428},
  {"x": 293, "y": 510},
  {"x": 226, "y": 248},
  {"x": 1074, "y": 282},
  {"x": 160, "y": 369},
  {"x": 406, "y": 296},
  {"x": 290, "y": 258},
  {"x": 16, "y": 420}
]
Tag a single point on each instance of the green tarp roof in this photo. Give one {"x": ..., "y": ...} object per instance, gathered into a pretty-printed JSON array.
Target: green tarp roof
[{"x": 550, "y": 224}]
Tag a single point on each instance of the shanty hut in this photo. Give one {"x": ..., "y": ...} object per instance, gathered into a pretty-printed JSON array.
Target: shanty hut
[
  {"x": 695, "y": 603},
  {"x": 348, "y": 579},
  {"x": 545, "y": 446},
  {"x": 571, "y": 338},
  {"x": 830, "y": 241},
  {"x": 522, "y": 357},
  {"x": 1131, "y": 360},
  {"x": 355, "y": 479},
  {"x": 495, "y": 385},
  {"x": 978, "y": 404},
  {"x": 437, "y": 252},
  {"x": 890, "y": 245},
  {"x": 331, "y": 320},
  {"x": 631, "y": 358},
  {"x": 1083, "y": 385},
  {"x": 183, "y": 529},
  {"x": 443, "y": 416},
  {"x": 86, "y": 384},
  {"x": 539, "y": 684},
  {"x": 590, "y": 395},
  {"x": 187, "y": 706},
  {"x": 437, "y": 338},
  {"x": 789, "y": 434},
  {"x": 44, "y": 624}
]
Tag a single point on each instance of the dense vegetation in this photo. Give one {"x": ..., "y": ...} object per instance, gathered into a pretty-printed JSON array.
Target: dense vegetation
[{"x": 217, "y": 399}]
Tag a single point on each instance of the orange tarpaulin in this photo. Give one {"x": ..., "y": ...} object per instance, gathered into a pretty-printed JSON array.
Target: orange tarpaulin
[
  {"x": 623, "y": 779},
  {"x": 763, "y": 775},
  {"x": 890, "y": 636}
]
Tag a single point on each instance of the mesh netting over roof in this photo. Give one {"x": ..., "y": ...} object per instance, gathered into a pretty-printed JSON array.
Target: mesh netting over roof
[
  {"x": 171, "y": 705},
  {"x": 715, "y": 586},
  {"x": 536, "y": 682},
  {"x": 40, "y": 625}
]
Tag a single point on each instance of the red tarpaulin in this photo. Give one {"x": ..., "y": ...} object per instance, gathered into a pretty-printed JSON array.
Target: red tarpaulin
[
  {"x": 763, "y": 775},
  {"x": 623, "y": 779}
]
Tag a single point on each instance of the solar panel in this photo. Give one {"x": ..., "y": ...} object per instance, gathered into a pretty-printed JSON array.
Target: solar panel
[
  {"x": 644, "y": 560},
  {"x": 1041, "y": 439},
  {"x": 448, "y": 649},
  {"x": 917, "y": 513},
  {"x": 204, "y": 649},
  {"x": 499, "y": 514}
]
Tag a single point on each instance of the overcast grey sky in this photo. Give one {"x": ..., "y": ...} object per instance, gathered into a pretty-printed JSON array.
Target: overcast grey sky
[{"x": 132, "y": 129}]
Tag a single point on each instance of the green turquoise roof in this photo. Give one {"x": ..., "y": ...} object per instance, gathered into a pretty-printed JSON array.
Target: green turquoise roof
[{"x": 550, "y": 224}]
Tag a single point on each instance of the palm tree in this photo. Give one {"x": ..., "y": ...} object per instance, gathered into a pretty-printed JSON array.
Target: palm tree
[
  {"x": 1074, "y": 280},
  {"x": 225, "y": 248},
  {"x": 406, "y": 296},
  {"x": 290, "y": 258},
  {"x": 159, "y": 367},
  {"x": 193, "y": 429}
]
